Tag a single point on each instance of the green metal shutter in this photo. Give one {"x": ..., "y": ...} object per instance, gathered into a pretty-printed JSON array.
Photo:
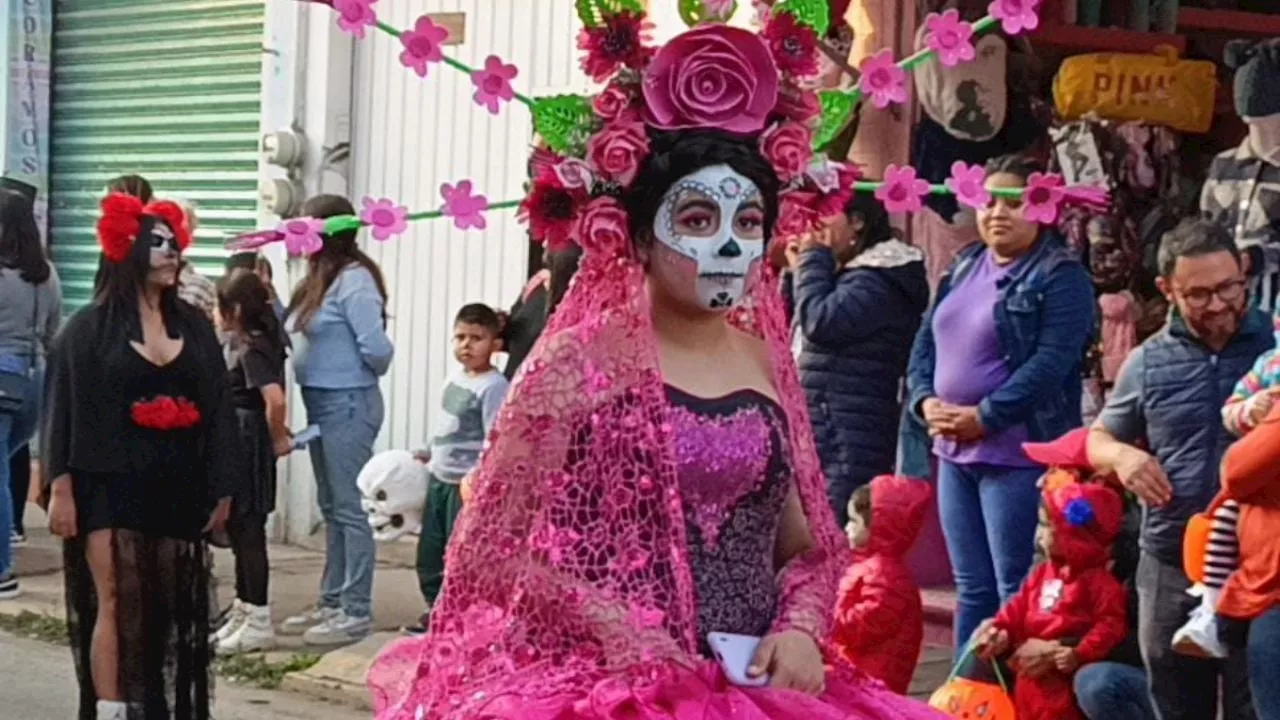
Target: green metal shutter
[{"x": 166, "y": 89}]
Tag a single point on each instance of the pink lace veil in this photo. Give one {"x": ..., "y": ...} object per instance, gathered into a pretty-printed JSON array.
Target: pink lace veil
[{"x": 568, "y": 567}]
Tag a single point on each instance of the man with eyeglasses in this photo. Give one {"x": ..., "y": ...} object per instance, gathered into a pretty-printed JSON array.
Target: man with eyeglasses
[{"x": 1168, "y": 397}]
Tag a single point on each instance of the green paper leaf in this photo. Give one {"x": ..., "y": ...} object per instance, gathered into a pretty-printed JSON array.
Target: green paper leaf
[
  {"x": 564, "y": 122},
  {"x": 694, "y": 13},
  {"x": 592, "y": 13},
  {"x": 341, "y": 223},
  {"x": 814, "y": 13},
  {"x": 837, "y": 109}
]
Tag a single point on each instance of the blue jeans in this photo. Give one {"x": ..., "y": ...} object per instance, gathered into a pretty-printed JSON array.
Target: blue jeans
[
  {"x": 349, "y": 422},
  {"x": 1264, "y": 664},
  {"x": 15, "y": 431},
  {"x": 1113, "y": 691},
  {"x": 989, "y": 516}
]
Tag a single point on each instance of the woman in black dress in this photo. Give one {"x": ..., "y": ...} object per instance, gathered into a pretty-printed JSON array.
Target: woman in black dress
[
  {"x": 255, "y": 358},
  {"x": 141, "y": 460}
]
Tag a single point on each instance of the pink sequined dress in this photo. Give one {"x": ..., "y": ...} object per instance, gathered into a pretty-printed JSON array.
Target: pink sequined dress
[{"x": 614, "y": 521}]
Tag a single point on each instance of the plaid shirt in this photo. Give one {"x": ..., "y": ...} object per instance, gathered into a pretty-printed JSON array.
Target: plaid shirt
[
  {"x": 196, "y": 289},
  {"x": 1242, "y": 193}
]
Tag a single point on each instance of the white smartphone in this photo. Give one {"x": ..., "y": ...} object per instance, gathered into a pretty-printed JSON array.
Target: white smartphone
[
  {"x": 306, "y": 437},
  {"x": 734, "y": 653}
]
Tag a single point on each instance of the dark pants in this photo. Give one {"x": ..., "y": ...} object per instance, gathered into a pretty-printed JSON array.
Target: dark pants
[
  {"x": 249, "y": 544},
  {"x": 1264, "y": 663},
  {"x": 20, "y": 485},
  {"x": 1113, "y": 691},
  {"x": 1183, "y": 688},
  {"x": 444, "y": 502}
]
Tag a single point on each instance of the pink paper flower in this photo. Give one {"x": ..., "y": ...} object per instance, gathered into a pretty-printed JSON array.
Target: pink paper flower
[
  {"x": 621, "y": 41},
  {"x": 574, "y": 174},
  {"x": 969, "y": 183},
  {"x": 882, "y": 80},
  {"x": 603, "y": 229},
  {"x": 902, "y": 191},
  {"x": 385, "y": 217},
  {"x": 493, "y": 83},
  {"x": 798, "y": 104},
  {"x": 788, "y": 147},
  {"x": 713, "y": 76},
  {"x": 465, "y": 209},
  {"x": 617, "y": 151},
  {"x": 797, "y": 213},
  {"x": 302, "y": 236},
  {"x": 717, "y": 9},
  {"x": 1042, "y": 198},
  {"x": 1016, "y": 16},
  {"x": 254, "y": 240},
  {"x": 355, "y": 15},
  {"x": 613, "y": 103},
  {"x": 422, "y": 45},
  {"x": 1090, "y": 196},
  {"x": 950, "y": 37}
]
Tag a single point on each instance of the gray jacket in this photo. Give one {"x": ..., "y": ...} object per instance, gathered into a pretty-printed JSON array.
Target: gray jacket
[{"x": 29, "y": 315}]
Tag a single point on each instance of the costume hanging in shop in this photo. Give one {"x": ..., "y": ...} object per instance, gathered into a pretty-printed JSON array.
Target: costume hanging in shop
[{"x": 1242, "y": 192}]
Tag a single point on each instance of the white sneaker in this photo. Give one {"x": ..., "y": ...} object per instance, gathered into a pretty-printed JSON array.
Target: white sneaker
[
  {"x": 17, "y": 539},
  {"x": 235, "y": 618},
  {"x": 1199, "y": 636},
  {"x": 112, "y": 710},
  {"x": 339, "y": 630},
  {"x": 304, "y": 621},
  {"x": 254, "y": 635}
]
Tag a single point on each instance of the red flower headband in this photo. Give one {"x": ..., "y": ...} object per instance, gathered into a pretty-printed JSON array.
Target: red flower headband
[{"x": 121, "y": 222}]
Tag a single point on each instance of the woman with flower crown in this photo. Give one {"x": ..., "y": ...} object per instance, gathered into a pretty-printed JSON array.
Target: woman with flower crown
[
  {"x": 652, "y": 477},
  {"x": 141, "y": 458}
]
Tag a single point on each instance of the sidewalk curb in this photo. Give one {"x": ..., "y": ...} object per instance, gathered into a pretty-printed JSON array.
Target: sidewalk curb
[{"x": 339, "y": 676}]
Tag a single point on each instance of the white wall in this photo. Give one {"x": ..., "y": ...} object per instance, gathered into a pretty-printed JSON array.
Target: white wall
[{"x": 409, "y": 135}]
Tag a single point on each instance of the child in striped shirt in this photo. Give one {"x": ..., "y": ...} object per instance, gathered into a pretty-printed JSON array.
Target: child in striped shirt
[{"x": 1253, "y": 397}]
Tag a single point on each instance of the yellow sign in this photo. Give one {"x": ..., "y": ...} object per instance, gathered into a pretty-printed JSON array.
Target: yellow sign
[{"x": 1159, "y": 89}]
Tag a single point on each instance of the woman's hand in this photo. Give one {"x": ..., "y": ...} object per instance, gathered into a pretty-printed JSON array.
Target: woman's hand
[
  {"x": 62, "y": 509},
  {"x": 793, "y": 662},
  {"x": 282, "y": 445},
  {"x": 218, "y": 519},
  {"x": 956, "y": 422}
]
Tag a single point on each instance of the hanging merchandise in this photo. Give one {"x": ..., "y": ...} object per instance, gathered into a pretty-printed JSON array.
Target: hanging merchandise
[
  {"x": 1158, "y": 88},
  {"x": 970, "y": 100},
  {"x": 1242, "y": 193},
  {"x": 1076, "y": 148}
]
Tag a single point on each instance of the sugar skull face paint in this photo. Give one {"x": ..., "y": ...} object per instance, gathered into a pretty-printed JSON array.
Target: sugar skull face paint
[
  {"x": 714, "y": 218},
  {"x": 164, "y": 245}
]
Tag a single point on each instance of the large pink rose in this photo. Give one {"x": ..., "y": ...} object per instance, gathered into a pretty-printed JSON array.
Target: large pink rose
[
  {"x": 603, "y": 229},
  {"x": 617, "y": 151},
  {"x": 713, "y": 76},
  {"x": 788, "y": 147}
]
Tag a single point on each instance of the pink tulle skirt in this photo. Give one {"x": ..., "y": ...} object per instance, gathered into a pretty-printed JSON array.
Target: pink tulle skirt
[{"x": 682, "y": 694}]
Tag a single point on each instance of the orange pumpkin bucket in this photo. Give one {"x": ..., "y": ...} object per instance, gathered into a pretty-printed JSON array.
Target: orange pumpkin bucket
[
  {"x": 971, "y": 699},
  {"x": 1195, "y": 541}
]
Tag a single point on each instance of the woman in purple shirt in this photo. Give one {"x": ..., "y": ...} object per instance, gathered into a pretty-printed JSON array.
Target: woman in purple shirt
[{"x": 1014, "y": 315}]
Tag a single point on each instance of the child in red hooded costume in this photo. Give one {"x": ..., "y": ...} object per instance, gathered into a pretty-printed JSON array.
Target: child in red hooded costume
[
  {"x": 879, "y": 623},
  {"x": 1072, "y": 594}
]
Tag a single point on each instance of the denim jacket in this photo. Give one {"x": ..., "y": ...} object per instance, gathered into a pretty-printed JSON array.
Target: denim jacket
[{"x": 1045, "y": 318}]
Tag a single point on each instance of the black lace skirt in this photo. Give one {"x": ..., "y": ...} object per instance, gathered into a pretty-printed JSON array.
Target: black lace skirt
[{"x": 162, "y": 624}]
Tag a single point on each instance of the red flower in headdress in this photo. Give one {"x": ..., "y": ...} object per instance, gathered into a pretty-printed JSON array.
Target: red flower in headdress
[
  {"x": 552, "y": 210},
  {"x": 165, "y": 413},
  {"x": 121, "y": 222},
  {"x": 618, "y": 42},
  {"x": 794, "y": 46}
]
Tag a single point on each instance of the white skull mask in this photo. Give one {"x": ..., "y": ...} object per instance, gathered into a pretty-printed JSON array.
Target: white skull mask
[
  {"x": 725, "y": 257},
  {"x": 393, "y": 491}
]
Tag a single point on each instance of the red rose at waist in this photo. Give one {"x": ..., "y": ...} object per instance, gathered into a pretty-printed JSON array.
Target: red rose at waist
[{"x": 165, "y": 413}]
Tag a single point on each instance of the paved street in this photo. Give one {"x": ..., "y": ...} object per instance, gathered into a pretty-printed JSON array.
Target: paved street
[{"x": 39, "y": 684}]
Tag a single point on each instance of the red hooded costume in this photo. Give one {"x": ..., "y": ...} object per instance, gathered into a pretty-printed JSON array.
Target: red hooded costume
[
  {"x": 1070, "y": 595},
  {"x": 879, "y": 617}
]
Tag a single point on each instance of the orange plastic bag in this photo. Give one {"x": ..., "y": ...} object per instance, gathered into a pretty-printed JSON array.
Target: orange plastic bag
[{"x": 1158, "y": 88}]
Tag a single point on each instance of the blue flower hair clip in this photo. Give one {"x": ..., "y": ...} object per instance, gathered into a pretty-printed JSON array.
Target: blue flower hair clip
[{"x": 1078, "y": 512}]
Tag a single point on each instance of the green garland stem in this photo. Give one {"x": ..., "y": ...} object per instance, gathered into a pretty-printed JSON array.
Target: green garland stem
[
  {"x": 938, "y": 189},
  {"x": 433, "y": 214},
  {"x": 455, "y": 64}
]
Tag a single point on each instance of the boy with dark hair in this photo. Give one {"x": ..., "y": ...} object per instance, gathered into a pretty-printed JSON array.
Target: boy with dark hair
[{"x": 468, "y": 408}]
